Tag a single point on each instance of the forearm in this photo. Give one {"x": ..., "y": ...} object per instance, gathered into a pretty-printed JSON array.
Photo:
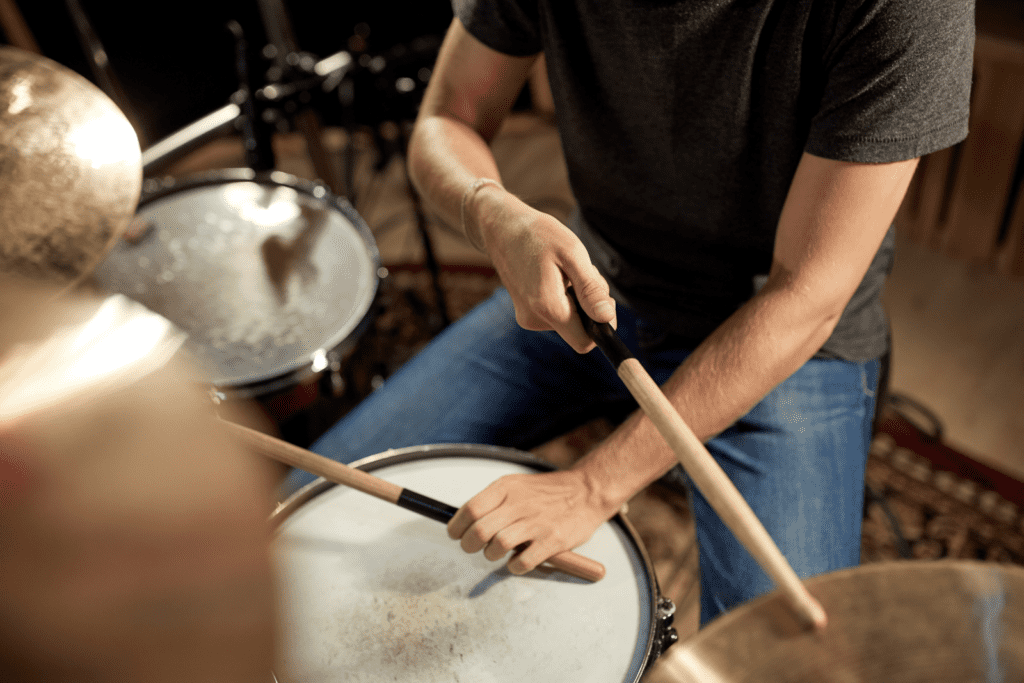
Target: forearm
[
  {"x": 831, "y": 226},
  {"x": 754, "y": 350},
  {"x": 446, "y": 156}
]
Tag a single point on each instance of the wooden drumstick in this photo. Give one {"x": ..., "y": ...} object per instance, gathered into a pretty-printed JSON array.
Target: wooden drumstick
[
  {"x": 703, "y": 470},
  {"x": 339, "y": 473}
]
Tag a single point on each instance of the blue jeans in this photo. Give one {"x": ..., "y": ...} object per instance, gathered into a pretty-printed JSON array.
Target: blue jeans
[{"x": 798, "y": 457}]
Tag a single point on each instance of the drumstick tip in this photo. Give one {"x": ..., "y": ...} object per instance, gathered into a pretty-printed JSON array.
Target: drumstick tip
[{"x": 815, "y": 614}]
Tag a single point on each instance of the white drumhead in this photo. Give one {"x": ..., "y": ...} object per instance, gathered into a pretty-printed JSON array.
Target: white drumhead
[
  {"x": 263, "y": 276},
  {"x": 373, "y": 592}
]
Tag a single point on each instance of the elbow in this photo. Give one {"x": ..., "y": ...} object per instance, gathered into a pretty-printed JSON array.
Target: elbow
[
  {"x": 815, "y": 305},
  {"x": 414, "y": 157}
]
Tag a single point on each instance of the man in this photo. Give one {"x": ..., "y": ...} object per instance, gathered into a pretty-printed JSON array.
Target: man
[{"x": 737, "y": 168}]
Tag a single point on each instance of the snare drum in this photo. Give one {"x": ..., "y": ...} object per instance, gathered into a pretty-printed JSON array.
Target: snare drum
[
  {"x": 373, "y": 592},
  {"x": 272, "y": 277}
]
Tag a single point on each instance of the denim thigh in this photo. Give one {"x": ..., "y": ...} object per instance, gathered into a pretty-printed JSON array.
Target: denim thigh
[
  {"x": 485, "y": 380},
  {"x": 798, "y": 458}
]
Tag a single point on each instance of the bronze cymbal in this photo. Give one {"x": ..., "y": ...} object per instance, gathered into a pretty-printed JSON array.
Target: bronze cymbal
[
  {"x": 895, "y": 622},
  {"x": 70, "y": 170},
  {"x": 134, "y": 524}
]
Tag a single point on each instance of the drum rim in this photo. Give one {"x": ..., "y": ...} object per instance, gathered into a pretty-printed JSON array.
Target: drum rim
[
  {"x": 397, "y": 456},
  {"x": 300, "y": 370}
]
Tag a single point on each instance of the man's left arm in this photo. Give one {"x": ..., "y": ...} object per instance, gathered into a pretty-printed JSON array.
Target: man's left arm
[{"x": 831, "y": 226}]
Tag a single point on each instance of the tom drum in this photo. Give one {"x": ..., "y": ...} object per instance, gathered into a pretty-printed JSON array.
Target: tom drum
[{"x": 272, "y": 277}]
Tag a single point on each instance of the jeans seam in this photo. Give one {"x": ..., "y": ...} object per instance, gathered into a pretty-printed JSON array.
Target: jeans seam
[{"x": 864, "y": 381}]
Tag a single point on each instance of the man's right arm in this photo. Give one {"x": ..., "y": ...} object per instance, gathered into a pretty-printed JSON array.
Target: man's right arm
[{"x": 471, "y": 91}]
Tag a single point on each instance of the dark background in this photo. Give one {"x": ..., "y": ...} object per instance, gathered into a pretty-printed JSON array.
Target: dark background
[{"x": 175, "y": 60}]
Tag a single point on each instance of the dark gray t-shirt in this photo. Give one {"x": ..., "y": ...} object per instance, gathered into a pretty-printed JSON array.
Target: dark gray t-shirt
[{"x": 683, "y": 122}]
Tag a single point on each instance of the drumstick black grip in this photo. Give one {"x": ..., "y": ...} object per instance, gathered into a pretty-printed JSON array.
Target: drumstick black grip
[
  {"x": 602, "y": 334},
  {"x": 426, "y": 506}
]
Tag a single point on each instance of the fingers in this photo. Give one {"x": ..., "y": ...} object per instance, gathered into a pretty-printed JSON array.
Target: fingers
[
  {"x": 478, "y": 506},
  {"x": 592, "y": 291},
  {"x": 536, "y": 516},
  {"x": 548, "y": 307},
  {"x": 552, "y": 309},
  {"x": 482, "y": 524}
]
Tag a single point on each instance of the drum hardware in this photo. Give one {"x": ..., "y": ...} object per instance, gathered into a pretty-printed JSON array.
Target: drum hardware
[
  {"x": 294, "y": 79},
  {"x": 295, "y": 86},
  {"x": 667, "y": 635},
  {"x": 187, "y": 139},
  {"x": 71, "y": 174},
  {"x": 256, "y": 130},
  {"x": 703, "y": 470},
  {"x": 367, "y": 594},
  {"x": 99, "y": 64},
  {"x": 941, "y": 621},
  {"x": 15, "y": 29},
  {"x": 339, "y": 473}
]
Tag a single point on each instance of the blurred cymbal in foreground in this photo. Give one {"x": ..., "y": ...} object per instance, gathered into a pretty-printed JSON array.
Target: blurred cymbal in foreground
[
  {"x": 70, "y": 170},
  {"x": 135, "y": 536},
  {"x": 895, "y": 622}
]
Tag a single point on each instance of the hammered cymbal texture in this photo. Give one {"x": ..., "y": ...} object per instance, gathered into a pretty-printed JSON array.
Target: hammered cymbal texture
[{"x": 70, "y": 170}]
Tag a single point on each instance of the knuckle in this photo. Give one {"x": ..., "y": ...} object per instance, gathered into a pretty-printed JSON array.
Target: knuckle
[
  {"x": 528, "y": 321},
  {"x": 469, "y": 543},
  {"x": 502, "y": 542},
  {"x": 520, "y": 566},
  {"x": 593, "y": 288},
  {"x": 473, "y": 510},
  {"x": 542, "y": 309},
  {"x": 477, "y": 535},
  {"x": 575, "y": 251}
]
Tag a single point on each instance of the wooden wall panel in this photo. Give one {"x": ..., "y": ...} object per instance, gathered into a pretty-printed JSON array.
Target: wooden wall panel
[
  {"x": 962, "y": 200},
  {"x": 1011, "y": 254},
  {"x": 990, "y": 152}
]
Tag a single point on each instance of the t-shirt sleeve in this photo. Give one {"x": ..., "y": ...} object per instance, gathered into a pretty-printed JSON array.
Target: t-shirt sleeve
[
  {"x": 508, "y": 26},
  {"x": 896, "y": 81}
]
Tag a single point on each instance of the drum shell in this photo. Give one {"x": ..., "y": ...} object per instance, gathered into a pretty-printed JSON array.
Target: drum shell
[
  {"x": 255, "y": 336},
  {"x": 658, "y": 633}
]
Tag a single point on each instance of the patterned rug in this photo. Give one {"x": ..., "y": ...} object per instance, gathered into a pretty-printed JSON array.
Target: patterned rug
[{"x": 923, "y": 499}]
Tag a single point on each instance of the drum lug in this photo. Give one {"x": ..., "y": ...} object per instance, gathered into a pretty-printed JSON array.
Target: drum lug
[
  {"x": 337, "y": 379},
  {"x": 666, "y": 611},
  {"x": 666, "y": 635}
]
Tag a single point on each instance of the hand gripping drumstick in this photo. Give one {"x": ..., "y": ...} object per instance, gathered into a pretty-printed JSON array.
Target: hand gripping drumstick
[
  {"x": 282, "y": 451},
  {"x": 702, "y": 469}
]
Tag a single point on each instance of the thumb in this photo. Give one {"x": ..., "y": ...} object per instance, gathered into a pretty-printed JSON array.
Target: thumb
[{"x": 592, "y": 292}]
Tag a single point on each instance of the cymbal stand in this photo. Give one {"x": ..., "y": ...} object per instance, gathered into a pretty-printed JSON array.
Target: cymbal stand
[
  {"x": 257, "y": 135},
  {"x": 99, "y": 64},
  {"x": 295, "y": 76},
  {"x": 290, "y": 64},
  {"x": 15, "y": 29}
]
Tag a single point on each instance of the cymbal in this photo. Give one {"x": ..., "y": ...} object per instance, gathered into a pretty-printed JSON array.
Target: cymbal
[
  {"x": 134, "y": 525},
  {"x": 70, "y": 169},
  {"x": 896, "y": 622}
]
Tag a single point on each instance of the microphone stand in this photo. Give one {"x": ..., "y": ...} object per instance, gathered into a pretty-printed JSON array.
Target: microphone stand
[
  {"x": 290, "y": 63},
  {"x": 257, "y": 135}
]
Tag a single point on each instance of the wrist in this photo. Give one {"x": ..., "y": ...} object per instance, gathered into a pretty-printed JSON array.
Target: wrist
[
  {"x": 604, "y": 490},
  {"x": 470, "y": 213}
]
